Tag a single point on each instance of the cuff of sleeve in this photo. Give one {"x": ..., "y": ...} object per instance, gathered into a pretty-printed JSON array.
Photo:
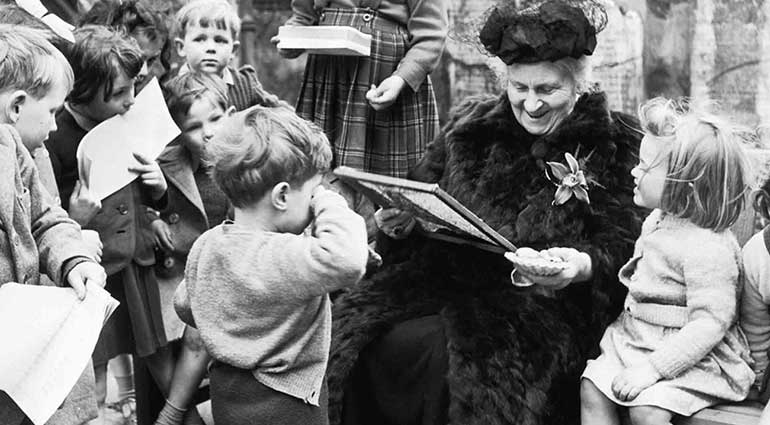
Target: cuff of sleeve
[
  {"x": 669, "y": 366},
  {"x": 70, "y": 264},
  {"x": 412, "y": 73},
  {"x": 161, "y": 203}
]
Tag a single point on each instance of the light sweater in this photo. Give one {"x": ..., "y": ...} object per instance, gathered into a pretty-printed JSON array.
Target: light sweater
[
  {"x": 426, "y": 21},
  {"x": 683, "y": 276},
  {"x": 260, "y": 299},
  {"x": 755, "y": 313}
]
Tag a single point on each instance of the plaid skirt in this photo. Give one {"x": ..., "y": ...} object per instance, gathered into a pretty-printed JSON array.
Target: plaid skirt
[{"x": 333, "y": 95}]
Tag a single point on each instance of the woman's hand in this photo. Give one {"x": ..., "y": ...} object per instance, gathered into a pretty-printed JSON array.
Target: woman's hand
[
  {"x": 286, "y": 53},
  {"x": 85, "y": 272},
  {"x": 384, "y": 95},
  {"x": 633, "y": 380},
  {"x": 578, "y": 269},
  {"x": 394, "y": 222},
  {"x": 83, "y": 206},
  {"x": 162, "y": 235},
  {"x": 151, "y": 175}
]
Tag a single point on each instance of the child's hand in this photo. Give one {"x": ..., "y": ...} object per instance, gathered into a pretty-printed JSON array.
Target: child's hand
[
  {"x": 578, "y": 268},
  {"x": 395, "y": 223},
  {"x": 151, "y": 175},
  {"x": 162, "y": 235},
  {"x": 93, "y": 243},
  {"x": 83, "y": 206},
  {"x": 384, "y": 95},
  {"x": 85, "y": 272},
  {"x": 286, "y": 53},
  {"x": 634, "y": 380}
]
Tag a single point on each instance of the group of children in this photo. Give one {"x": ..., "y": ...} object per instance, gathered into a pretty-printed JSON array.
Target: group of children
[{"x": 234, "y": 217}]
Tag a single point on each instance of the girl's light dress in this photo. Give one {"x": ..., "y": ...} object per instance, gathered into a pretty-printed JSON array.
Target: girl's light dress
[{"x": 684, "y": 283}]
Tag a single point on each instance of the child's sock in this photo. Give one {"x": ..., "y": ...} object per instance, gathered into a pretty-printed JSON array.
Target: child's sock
[{"x": 170, "y": 415}]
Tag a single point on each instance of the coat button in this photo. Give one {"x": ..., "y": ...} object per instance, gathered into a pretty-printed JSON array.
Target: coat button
[
  {"x": 168, "y": 262},
  {"x": 122, "y": 209},
  {"x": 173, "y": 218},
  {"x": 367, "y": 17}
]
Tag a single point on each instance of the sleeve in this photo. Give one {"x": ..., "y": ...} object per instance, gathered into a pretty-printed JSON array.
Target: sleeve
[
  {"x": 755, "y": 314},
  {"x": 303, "y": 13},
  {"x": 333, "y": 256},
  {"x": 182, "y": 304},
  {"x": 257, "y": 93},
  {"x": 711, "y": 276},
  {"x": 58, "y": 237},
  {"x": 427, "y": 26}
]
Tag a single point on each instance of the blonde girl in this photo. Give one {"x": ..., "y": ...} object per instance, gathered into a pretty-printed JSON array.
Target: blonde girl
[{"x": 676, "y": 347}]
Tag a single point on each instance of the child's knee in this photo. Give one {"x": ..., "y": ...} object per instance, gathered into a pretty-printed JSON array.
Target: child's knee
[
  {"x": 590, "y": 395},
  {"x": 649, "y": 415}
]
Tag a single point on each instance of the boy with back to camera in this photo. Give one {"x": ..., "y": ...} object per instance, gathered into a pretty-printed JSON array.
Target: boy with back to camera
[
  {"x": 207, "y": 33},
  {"x": 257, "y": 287}
]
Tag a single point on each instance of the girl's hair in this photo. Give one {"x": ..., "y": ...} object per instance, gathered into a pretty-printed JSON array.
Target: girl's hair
[
  {"x": 183, "y": 90},
  {"x": 29, "y": 62},
  {"x": 707, "y": 170},
  {"x": 130, "y": 16},
  {"x": 218, "y": 13},
  {"x": 97, "y": 58},
  {"x": 260, "y": 147}
]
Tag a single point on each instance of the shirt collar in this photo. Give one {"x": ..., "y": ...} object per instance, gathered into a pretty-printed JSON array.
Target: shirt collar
[{"x": 227, "y": 76}]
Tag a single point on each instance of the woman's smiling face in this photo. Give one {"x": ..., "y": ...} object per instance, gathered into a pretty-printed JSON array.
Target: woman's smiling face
[{"x": 542, "y": 94}]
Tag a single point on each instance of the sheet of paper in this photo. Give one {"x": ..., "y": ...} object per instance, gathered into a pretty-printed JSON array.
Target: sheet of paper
[
  {"x": 106, "y": 152},
  {"x": 48, "y": 337}
]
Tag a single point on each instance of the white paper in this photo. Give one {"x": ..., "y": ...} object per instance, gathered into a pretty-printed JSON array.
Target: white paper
[
  {"x": 106, "y": 152},
  {"x": 48, "y": 336}
]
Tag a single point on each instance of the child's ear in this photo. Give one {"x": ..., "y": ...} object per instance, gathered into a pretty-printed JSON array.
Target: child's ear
[
  {"x": 236, "y": 46},
  {"x": 230, "y": 111},
  {"x": 279, "y": 196},
  {"x": 15, "y": 104},
  {"x": 179, "y": 43}
]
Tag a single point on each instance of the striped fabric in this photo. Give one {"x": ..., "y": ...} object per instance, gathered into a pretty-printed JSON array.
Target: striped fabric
[
  {"x": 333, "y": 95},
  {"x": 246, "y": 90}
]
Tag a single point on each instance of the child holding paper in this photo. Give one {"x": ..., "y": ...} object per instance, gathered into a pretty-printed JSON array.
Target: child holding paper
[
  {"x": 207, "y": 33},
  {"x": 106, "y": 64},
  {"x": 34, "y": 80},
  {"x": 257, "y": 287}
]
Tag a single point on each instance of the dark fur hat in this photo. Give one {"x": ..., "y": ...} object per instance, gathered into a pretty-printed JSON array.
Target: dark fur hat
[{"x": 547, "y": 31}]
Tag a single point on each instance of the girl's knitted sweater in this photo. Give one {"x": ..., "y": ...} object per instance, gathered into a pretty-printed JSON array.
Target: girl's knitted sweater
[{"x": 687, "y": 277}]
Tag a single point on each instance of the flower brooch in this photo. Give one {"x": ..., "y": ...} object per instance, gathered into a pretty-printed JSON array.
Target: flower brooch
[{"x": 569, "y": 179}]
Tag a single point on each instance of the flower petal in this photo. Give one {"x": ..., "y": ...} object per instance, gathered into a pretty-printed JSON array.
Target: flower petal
[
  {"x": 581, "y": 178},
  {"x": 558, "y": 170},
  {"x": 581, "y": 193},
  {"x": 562, "y": 195},
  {"x": 573, "y": 164}
]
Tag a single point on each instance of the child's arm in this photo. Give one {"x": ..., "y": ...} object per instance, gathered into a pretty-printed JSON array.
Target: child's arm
[
  {"x": 182, "y": 304},
  {"x": 427, "y": 27},
  {"x": 333, "y": 257},
  {"x": 711, "y": 275},
  {"x": 303, "y": 13},
  {"x": 755, "y": 313}
]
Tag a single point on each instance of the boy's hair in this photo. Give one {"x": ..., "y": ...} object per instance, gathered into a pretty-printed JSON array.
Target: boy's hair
[
  {"x": 29, "y": 62},
  {"x": 183, "y": 90},
  {"x": 708, "y": 172},
  {"x": 204, "y": 13},
  {"x": 97, "y": 57},
  {"x": 129, "y": 16},
  {"x": 260, "y": 147}
]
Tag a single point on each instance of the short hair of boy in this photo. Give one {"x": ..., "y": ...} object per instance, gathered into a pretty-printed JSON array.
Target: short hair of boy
[
  {"x": 97, "y": 57},
  {"x": 205, "y": 13},
  {"x": 135, "y": 17},
  {"x": 183, "y": 90},
  {"x": 260, "y": 147},
  {"x": 29, "y": 62}
]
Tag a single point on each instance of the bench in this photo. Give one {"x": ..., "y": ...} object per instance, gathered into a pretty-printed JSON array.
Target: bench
[{"x": 744, "y": 413}]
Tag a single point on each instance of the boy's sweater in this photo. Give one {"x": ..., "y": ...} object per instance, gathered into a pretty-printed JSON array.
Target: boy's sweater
[
  {"x": 755, "y": 303},
  {"x": 684, "y": 276},
  {"x": 260, "y": 299},
  {"x": 243, "y": 88}
]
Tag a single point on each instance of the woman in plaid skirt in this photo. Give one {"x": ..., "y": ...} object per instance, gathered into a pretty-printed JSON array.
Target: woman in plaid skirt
[{"x": 378, "y": 111}]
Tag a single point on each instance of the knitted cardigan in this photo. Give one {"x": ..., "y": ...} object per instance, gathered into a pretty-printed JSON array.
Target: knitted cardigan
[
  {"x": 755, "y": 306},
  {"x": 515, "y": 355}
]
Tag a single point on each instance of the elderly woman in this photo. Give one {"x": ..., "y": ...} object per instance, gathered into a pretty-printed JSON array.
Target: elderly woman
[{"x": 440, "y": 334}]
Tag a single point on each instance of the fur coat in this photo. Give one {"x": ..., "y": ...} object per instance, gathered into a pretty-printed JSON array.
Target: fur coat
[{"x": 515, "y": 354}]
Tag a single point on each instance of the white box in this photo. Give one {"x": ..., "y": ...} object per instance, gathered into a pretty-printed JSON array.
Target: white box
[{"x": 325, "y": 40}]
